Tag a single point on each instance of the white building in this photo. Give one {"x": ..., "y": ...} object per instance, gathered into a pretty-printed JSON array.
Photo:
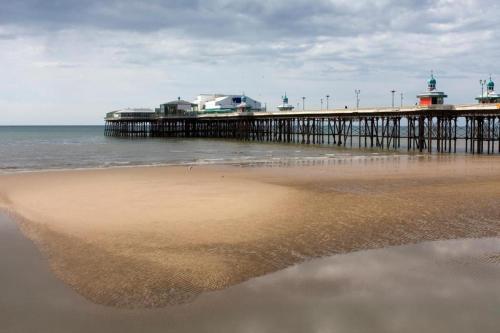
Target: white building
[{"x": 219, "y": 103}]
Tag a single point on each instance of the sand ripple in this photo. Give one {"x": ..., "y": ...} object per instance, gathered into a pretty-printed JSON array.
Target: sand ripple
[{"x": 149, "y": 237}]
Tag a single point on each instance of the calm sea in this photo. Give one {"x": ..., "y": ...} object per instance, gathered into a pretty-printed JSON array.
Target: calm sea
[{"x": 68, "y": 147}]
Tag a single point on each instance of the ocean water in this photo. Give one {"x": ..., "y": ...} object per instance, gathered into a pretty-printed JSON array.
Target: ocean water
[{"x": 68, "y": 147}]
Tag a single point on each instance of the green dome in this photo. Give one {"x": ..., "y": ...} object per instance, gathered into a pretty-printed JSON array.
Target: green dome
[
  {"x": 432, "y": 81},
  {"x": 491, "y": 84}
]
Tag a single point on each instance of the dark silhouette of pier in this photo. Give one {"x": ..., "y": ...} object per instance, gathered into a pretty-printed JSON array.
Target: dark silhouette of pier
[{"x": 437, "y": 128}]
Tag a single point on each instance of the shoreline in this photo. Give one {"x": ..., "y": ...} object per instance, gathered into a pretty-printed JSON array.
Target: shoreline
[
  {"x": 273, "y": 162},
  {"x": 191, "y": 231}
]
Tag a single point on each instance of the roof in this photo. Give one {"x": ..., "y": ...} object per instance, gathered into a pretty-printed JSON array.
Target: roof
[
  {"x": 134, "y": 110},
  {"x": 490, "y": 95},
  {"x": 179, "y": 102},
  {"x": 432, "y": 94},
  {"x": 215, "y": 95},
  {"x": 218, "y": 99}
]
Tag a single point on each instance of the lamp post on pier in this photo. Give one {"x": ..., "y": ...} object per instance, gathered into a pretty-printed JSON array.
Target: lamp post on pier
[
  {"x": 482, "y": 83},
  {"x": 327, "y": 100},
  {"x": 357, "y": 92},
  {"x": 402, "y": 97},
  {"x": 303, "y": 103},
  {"x": 321, "y": 109},
  {"x": 393, "y": 92}
]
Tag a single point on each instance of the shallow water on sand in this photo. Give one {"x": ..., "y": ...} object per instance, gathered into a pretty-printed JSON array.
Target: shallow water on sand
[{"x": 443, "y": 286}]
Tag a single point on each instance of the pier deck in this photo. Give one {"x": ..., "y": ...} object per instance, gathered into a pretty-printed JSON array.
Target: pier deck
[{"x": 474, "y": 127}]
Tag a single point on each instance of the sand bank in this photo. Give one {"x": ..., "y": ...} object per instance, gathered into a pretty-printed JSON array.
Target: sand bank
[{"x": 146, "y": 237}]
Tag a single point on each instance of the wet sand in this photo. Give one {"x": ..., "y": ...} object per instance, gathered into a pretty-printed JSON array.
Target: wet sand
[
  {"x": 444, "y": 286},
  {"x": 150, "y": 237}
]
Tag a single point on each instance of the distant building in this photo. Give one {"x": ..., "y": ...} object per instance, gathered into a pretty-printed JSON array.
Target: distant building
[
  {"x": 218, "y": 103},
  {"x": 132, "y": 113},
  {"x": 284, "y": 106},
  {"x": 489, "y": 96},
  {"x": 431, "y": 96},
  {"x": 178, "y": 107}
]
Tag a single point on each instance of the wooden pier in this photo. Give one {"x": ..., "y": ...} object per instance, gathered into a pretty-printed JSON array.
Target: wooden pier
[{"x": 442, "y": 128}]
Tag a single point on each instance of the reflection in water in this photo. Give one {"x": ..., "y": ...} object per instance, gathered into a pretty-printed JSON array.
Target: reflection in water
[{"x": 444, "y": 286}]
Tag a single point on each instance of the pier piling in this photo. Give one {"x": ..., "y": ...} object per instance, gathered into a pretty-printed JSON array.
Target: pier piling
[{"x": 429, "y": 129}]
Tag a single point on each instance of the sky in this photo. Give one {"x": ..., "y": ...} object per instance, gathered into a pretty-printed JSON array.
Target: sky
[{"x": 70, "y": 61}]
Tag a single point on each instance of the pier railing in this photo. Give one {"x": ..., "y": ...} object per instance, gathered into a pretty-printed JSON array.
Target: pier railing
[{"x": 445, "y": 128}]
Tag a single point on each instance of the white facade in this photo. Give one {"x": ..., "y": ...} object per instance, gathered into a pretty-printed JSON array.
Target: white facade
[
  {"x": 226, "y": 103},
  {"x": 204, "y": 98}
]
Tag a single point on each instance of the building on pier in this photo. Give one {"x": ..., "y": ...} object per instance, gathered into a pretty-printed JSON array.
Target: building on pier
[
  {"x": 243, "y": 106},
  {"x": 284, "y": 106},
  {"x": 178, "y": 107},
  {"x": 431, "y": 96},
  {"x": 131, "y": 113},
  {"x": 489, "y": 96},
  {"x": 219, "y": 103}
]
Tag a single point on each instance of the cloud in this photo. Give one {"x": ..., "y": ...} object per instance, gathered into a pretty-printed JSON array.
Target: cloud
[{"x": 302, "y": 46}]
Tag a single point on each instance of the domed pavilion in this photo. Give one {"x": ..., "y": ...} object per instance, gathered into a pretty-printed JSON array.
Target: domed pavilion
[
  {"x": 284, "y": 106},
  {"x": 431, "y": 96},
  {"x": 489, "y": 96}
]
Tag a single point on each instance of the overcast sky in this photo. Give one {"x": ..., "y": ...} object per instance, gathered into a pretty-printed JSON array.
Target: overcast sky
[{"x": 70, "y": 61}]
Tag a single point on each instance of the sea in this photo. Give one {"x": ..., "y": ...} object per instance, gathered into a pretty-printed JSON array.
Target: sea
[{"x": 27, "y": 148}]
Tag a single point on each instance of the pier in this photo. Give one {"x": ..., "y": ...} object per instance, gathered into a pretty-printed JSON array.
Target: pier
[{"x": 475, "y": 128}]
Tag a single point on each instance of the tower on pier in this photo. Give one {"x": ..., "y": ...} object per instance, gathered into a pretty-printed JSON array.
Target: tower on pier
[
  {"x": 489, "y": 96},
  {"x": 284, "y": 106},
  {"x": 431, "y": 96}
]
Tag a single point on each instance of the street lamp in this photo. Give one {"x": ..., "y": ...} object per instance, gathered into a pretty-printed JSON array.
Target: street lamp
[
  {"x": 327, "y": 99},
  {"x": 357, "y": 92},
  {"x": 303, "y": 103},
  {"x": 482, "y": 83},
  {"x": 321, "y": 105},
  {"x": 402, "y": 100},
  {"x": 393, "y": 92}
]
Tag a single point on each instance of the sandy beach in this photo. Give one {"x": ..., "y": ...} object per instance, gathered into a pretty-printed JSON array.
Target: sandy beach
[{"x": 153, "y": 236}]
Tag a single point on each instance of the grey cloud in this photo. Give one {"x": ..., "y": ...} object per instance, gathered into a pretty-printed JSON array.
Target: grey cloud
[
  {"x": 7, "y": 36},
  {"x": 319, "y": 40},
  {"x": 241, "y": 19}
]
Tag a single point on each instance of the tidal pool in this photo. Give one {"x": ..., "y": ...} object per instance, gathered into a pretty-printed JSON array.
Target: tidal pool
[{"x": 441, "y": 286}]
